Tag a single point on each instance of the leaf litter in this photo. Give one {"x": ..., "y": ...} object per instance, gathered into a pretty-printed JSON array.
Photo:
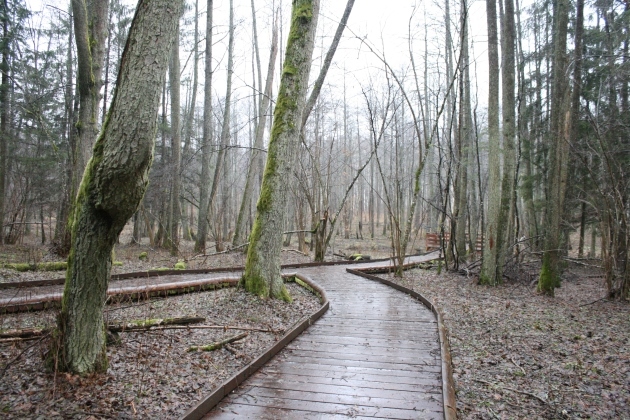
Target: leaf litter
[
  {"x": 521, "y": 355},
  {"x": 150, "y": 374}
]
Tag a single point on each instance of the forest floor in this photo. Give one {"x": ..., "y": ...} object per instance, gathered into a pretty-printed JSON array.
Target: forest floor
[
  {"x": 151, "y": 374},
  {"x": 518, "y": 354}
]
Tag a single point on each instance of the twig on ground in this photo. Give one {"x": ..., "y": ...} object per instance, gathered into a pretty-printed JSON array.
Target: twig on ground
[
  {"x": 16, "y": 358},
  {"x": 217, "y": 345},
  {"x": 590, "y": 303},
  {"x": 518, "y": 366},
  {"x": 529, "y": 394}
]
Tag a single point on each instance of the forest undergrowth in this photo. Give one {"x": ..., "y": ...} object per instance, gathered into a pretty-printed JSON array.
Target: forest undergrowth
[
  {"x": 151, "y": 374},
  {"x": 519, "y": 354}
]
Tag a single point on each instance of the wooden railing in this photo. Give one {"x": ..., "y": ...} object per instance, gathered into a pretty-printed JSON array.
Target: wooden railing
[{"x": 433, "y": 241}]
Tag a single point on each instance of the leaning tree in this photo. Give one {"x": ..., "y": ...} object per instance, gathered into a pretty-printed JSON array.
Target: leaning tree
[{"x": 113, "y": 185}]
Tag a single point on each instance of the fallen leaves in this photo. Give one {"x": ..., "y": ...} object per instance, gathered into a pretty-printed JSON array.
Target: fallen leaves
[{"x": 517, "y": 354}]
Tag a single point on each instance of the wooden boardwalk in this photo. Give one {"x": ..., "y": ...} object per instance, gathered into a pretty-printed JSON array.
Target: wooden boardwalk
[{"x": 374, "y": 354}]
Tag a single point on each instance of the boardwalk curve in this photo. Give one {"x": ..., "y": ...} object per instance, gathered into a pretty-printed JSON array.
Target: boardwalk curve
[{"x": 374, "y": 354}]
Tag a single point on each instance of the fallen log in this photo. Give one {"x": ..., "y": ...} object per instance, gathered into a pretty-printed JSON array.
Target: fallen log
[{"x": 218, "y": 344}]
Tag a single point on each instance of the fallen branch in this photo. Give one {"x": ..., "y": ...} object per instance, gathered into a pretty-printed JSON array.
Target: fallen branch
[
  {"x": 595, "y": 301},
  {"x": 25, "y": 333},
  {"x": 529, "y": 394},
  {"x": 10, "y": 336},
  {"x": 149, "y": 324},
  {"x": 227, "y": 251},
  {"x": 214, "y": 327},
  {"x": 218, "y": 344},
  {"x": 575, "y": 261},
  {"x": 17, "y": 339},
  {"x": 296, "y": 251}
]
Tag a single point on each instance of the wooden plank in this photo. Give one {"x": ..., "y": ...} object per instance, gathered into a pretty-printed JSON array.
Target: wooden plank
[
  {"x": 353, "y": 380},
  {"x": 328, "y": 408},
  {"x": 320, "y": 337},
  {"x": 391, "y": 351},
  {"x": 411, "y": 360},
  {"x": 373, "y": 332},
  {"x": 245, "y": 411},
  {"x": 365, "y": 363},
  {"x": 347, "y": 371},
  {"x": 349, "y": 396}
]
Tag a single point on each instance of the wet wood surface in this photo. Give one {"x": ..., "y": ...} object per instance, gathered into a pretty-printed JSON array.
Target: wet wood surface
[{"x": 374, "y": 354}]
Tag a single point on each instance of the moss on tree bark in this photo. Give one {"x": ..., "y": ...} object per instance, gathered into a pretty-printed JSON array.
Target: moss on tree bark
[
  {"x": 113, "y": 185},
  {"x": 262, "y": 269}
]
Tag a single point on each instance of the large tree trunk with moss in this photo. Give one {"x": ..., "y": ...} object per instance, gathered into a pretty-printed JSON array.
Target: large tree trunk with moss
[
  {"x": 204, "y": 180},
  {"x": 262, "y": 269},
  {"x": 113, "y": 184},
  {"x": 549, "y": 277}
]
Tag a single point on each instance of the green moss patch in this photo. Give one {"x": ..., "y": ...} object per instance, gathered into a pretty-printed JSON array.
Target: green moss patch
[{"x": 46, "y": 266}]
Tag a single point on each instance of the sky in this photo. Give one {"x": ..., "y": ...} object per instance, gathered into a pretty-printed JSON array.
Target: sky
[{"x": 384, "y": 25}]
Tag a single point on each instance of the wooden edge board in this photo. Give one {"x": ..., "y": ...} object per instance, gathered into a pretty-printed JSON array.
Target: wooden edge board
[
  {"x": 448, "y": 387},
  {"x": 118, "y": 294},
  {"x": 202, "y": 407},
  {"x": 159, "y": 273}
]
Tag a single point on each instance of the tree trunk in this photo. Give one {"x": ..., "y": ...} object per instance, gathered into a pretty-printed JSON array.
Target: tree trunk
[
  {"x": 190, "y": 118},
  {"x": 252, "y": 170},
  {"x": 90, "y": 28},
  {"x": 490, "y": 268},
  {"x": 508, "y": 75},
  {"x": 113, "y": 185},
  {"x": 172, "y": 234},
  {"x": 262, "y": 269},
  {"x": 4, "y": 112},
  {"x": 225, "y": 129},
  {"x": 204, "y": 181},
  {"x": 62, "y": 238},
  {"x": 549, "y": 277}
]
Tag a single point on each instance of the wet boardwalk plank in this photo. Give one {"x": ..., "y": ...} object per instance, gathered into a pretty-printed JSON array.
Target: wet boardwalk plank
[{"x": 374, "y": 354}]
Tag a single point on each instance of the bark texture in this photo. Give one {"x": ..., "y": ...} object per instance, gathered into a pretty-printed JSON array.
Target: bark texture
[
  {"x": 252, "y": 171},
  {"x": 262, "y": 269},
  {"x": 204, "y": 181},
  {"x": 113, "y": 184},
  {"x": 490, "y": 262},
  {"x": 549, "y": 277}
]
